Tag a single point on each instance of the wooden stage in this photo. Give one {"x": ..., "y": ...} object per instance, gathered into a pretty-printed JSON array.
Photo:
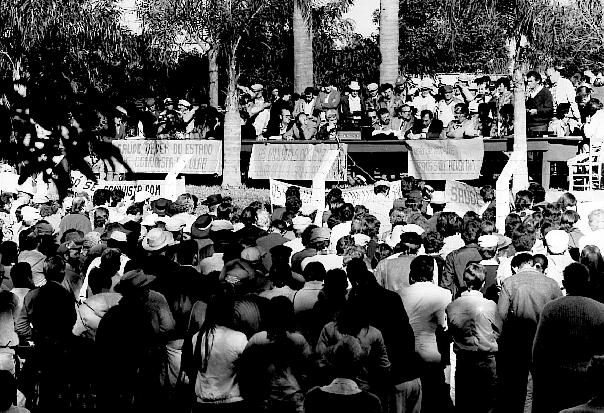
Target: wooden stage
[{"x": 544, "y": 151}]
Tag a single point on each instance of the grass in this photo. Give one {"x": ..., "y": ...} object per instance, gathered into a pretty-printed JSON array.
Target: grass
[{"x": 242, "y": 197}]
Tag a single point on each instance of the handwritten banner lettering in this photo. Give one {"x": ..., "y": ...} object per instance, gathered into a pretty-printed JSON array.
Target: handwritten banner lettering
[
  {"x": 438, "y": 160},
  {"x": 355, "y": 196},
  {"x": 462, "y": 198},
  {"x": 296, "y": 162},
  {"x": 160, "y": 156}
]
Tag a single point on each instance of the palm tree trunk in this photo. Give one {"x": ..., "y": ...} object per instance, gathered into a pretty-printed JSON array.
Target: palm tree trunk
[
  {"x": 520, "y": 178},
  {"x": 231, "y": 171},
  {"x": 213, "y": 69},
  {"x": 389, "y": 40},
  {"x": 303, "y": 56}
]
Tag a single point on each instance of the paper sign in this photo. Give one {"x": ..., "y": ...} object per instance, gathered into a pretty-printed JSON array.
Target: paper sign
[
  {"x": 439, "y": 160},
  {"x": 462, "y": 198},
  {"x": 298, "y": 162},
  {"x": 157, "y": 188},
  {"x": 160, "y": 156}
]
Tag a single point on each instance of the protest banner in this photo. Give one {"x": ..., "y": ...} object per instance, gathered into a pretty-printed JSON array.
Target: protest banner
[
  {"x": 297, "y": 162},
  {"x": 438, "y": 160},
  {"x": 157, "y": 188},
  {"x": 356, "y": 195},
  {"x": 160, "y": 156},
  {"x": 461, "y": 197}
]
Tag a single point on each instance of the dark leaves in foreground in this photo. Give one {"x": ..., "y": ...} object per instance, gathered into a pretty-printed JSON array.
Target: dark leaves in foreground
[{"x": 54, "y": 130}]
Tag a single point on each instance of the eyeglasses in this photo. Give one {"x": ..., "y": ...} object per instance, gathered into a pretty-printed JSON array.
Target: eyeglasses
[{"x": 405, "y": 111}]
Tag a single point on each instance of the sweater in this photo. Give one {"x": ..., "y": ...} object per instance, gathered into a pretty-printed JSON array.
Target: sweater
[
  {"x": 544, "y": 103},
  {"x": 569, "y": 333}
]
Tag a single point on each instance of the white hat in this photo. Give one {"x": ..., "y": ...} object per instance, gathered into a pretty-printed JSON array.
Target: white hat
[
  {"x": 426, "y": 83},
  {"x": 184, "y": 103},
  {"x": 301, "y": 223},
  {"x": 118, "y": 236},
  {"x": 40, "y": 199},
  {"x": 142, "y": 196},
  {"x": 156, "y": 239},
  {"x": 354, "y": 85},
  {"x": 257, "y": 87},
  {"x": 149, "y": 220},
  {"x": 382, "y": 183},
  {"x": 438, "y": 197},
  {"x": 488, "y": 241},
  {"x": 30, "y": 214},
  {"x": 307, "y": 209},
  {"x": 557, "y": 241},
  {"x": 372, "y": 87},
  {"x": 413, "y": 228},
  {"x": 361, "y": 239},
  {"x": 220, "y": 225},
  {"x": 175, "y": 224}
]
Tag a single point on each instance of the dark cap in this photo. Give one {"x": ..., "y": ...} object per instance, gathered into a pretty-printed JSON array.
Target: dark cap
[
  {"x": 213, "y": 200},
  {"x": 201, "y": 226},
  {"x": 160, "y": 205}
]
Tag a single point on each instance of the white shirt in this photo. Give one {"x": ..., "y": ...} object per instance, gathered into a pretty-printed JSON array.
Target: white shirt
[
  {"x": 213, "y": 263},
  {"x": 337, "y": 232},
  {"x": 309, "y": 107},
  {"x": 445, "y": 111},
  {"x": 354, "y": 104},
  {"x": 424, "y": 103},
  {"x": 329, "y": 261},
  {"x": 595, "y": 238},
  {"x": 564, "y": 92},
  {"x": 295, "y": 245}
]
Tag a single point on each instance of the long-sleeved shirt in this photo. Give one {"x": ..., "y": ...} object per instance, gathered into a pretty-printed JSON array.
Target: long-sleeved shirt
[
  {"x": 543, "y": 102},
  {"x": 455, "y": 265},
  {"x": 474, "y": 323}
]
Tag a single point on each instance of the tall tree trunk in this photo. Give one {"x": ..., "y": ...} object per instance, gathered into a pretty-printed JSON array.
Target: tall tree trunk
[
  {"x": 389, "y": 38},
  {"x": 213, "y": 69},
  {"x": 231, "y": 171},
  {"x": 520, "y": 178},
  {"x": 303, "y": 56}
]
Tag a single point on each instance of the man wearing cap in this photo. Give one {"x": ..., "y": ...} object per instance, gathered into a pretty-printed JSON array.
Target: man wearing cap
[
  {"x": 187, "y": 113},
  {"x": 373, "y": 97},
  {"x": 400, "y": 90},
  {"x": 319, "y": 239},
  {"x": 25, "y": 193},
  {"x": 425, "y": 101},
  {"x": 200, "y": 232},
  {"x": 258, "y": 109},
  {"x": 444, "y": 110},
  {"x": 352, "y": 106}
]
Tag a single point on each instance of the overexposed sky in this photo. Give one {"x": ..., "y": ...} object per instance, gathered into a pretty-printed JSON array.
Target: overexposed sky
[{"x": 361, "y": 13}]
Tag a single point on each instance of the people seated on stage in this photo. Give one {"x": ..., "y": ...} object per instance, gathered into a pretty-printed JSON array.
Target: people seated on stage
[
  {"x": 283, "y": 101},
  {"x": 485, "y": 125},
  {"x": 407, "y": 120},
  {"x": 352, "y": 107},
  {"x": 539, "y": 105},
  {"x": 285, "y": 130},
  {"x": 563, "y": 124},
  {"x": 389, "y": 128},
  {"x": 425, "y": 101},
  {"x": 305, "y": 127},
  {"x": 445, "y": 106},
  {"x": 330, "y": 127},
  {"x": 463, "y": 126},
  {"x": 170, "y": 123},
  {"x": 427, "y": 127}
]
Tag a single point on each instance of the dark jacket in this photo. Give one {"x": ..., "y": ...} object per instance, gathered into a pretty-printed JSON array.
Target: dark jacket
[
  {"x": 345, "y": 108},
  {"x": 544, "y": 103},
  {"x": 455, "y": 265},
  {"x": 434, "y": 130}
]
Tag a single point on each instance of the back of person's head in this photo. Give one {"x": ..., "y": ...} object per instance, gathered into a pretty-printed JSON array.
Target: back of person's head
[
  {"x": 293, "y": 204},
  {"x": 345, "y": 357},
  {"x": 358, "y": 274},
  {"x": 186, "y": 252},
  {"x": 307, "y": 234},
  {"x": 98, "y": 280},
  {"x": 522, "y": 260},
  {"x": 576, "y": 279},
  {"x": 71, "y": 233},
  {"x": 346, "y": 212},
  {"x": 292, "y": 191},
  {"x": 78, "y": 205},
  {"x": 54, "y": 268},
  {"x": 487, "y": 193},
  {"x": 537, "y": 191},
  {"x": 591, "y": 257},
  {"x": 511, "y": 222},
  {"x": 280, "y": 318},
  {"x": 248, "y": 216},
  {"x": 596, "y": 219},
  {"x": 134, "y": 209},
  {"x": 225, "y": 211},
  {"x": 343, "y": 243},
  {"x": 101, "y": 197},
  {"x": 410, "y": 242},
  {"x": 471, "y": 215},
  {"x": 8, "y": 395},
  {"x": 523, "y": 239},
  {"x": 29, "y": 239},
  {"x": 433, "y": 242},
  {"x": 21, "y": 275},
  {"x": 474, "y": 276},
  {"x": 568, "y": 220},
  {"x": 111, "y": 261},
  {"x": 487, "y": 227},
  {"x": 541, "y": 262},
  {"x": 279, "y": 226},
  {"x": 449, "y": 223},
  {"x": 370, "y": 226},
  {"x": 523, "y": 200},
  {"x": 314, "y": 271},
  {"x": 421, "y": 269},
  {"x": 9, "y": 252},
  {"x": 471, "y": 231},
  {"x": 336, "y": 282},
  {"x": 353, "y": 318},
  {"x": 382, "y": 251}
]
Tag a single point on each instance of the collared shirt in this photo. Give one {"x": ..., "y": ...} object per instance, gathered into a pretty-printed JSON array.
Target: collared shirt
[
  {"x": 535, "y": 91},
  {"x": 445, "y": 111},
  {"x": 309, "y": 107},
  {"x": 524, "y": 295},
  {"x": 564, "y": 92},
  {"x": 595, "y": 238},
  {"x": 474, "y": 323}
]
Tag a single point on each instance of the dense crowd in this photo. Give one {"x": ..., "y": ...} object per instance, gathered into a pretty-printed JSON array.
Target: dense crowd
[
  {"x": 412, "y": 108},
  {"x": 397, "y": 305}
]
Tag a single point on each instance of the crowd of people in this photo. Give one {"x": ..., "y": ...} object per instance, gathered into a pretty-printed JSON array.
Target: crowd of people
[{"x": 397, "y": 305}]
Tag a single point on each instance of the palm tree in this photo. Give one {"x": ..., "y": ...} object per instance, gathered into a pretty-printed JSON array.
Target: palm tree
[
  {"x": 303, "y": 54},
  {"x": 389, "y": 40}
]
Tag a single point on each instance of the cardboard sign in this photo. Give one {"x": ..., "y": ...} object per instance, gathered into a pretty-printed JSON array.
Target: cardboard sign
[
  {"x": 297, "y": 162},
  {"x": 157, "y": 188},
  {"x": 357, "y": 195},
  {"x": 438, "y": 160},
  {"x": 462, "y": 198},
  {"x": 160, "y": 156}
]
